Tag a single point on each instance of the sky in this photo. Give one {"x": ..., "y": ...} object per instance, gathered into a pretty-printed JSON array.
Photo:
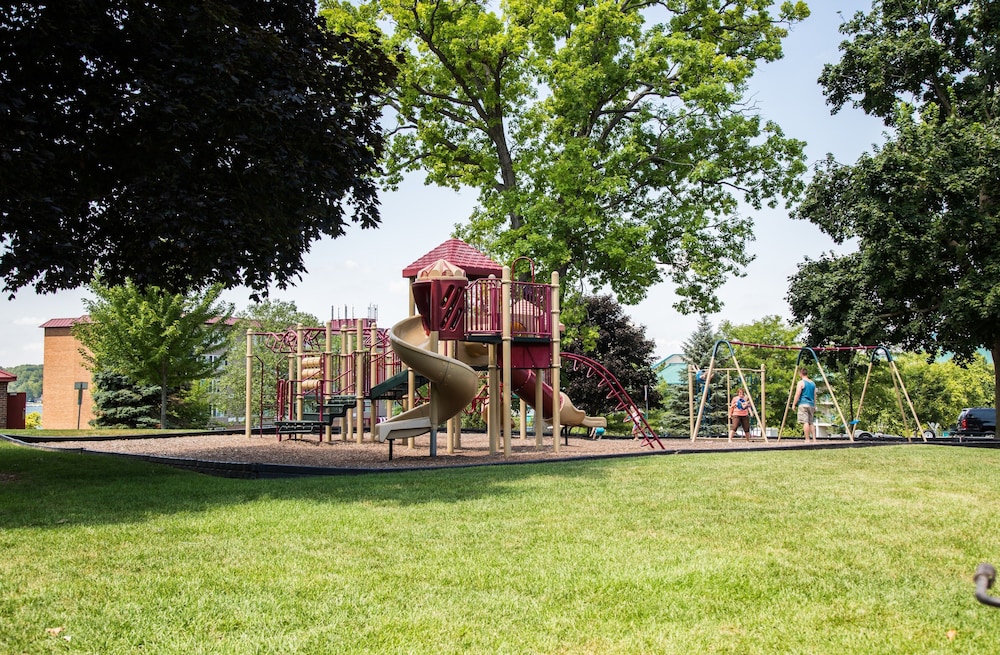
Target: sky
[{"x": 362, "y": 270}]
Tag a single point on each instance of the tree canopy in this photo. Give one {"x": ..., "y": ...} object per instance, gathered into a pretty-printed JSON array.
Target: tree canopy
[
  {"x": 29, "y": 380},
  {"x": 609, "y": 141},
  {"x": 179, "y": 144},
  {"x": 152, "y": 337},
  {"x": 923, "y": 208}
]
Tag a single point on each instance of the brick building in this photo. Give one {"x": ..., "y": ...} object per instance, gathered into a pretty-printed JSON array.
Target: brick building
[
  {"x": 5, "y": 379},
  {"x": 66, "y": 405}
]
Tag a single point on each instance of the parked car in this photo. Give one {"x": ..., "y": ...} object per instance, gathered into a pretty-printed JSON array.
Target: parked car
[{"x": 977, "y": 421}]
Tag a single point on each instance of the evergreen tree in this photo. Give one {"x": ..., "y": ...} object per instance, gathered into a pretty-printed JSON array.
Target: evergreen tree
[
  {"x": 698, "y": 353},
  {"x": 121, "y": 403}
]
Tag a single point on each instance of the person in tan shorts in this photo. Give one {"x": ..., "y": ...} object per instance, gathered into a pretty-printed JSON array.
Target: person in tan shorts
[{"x": 805, "y": 399}]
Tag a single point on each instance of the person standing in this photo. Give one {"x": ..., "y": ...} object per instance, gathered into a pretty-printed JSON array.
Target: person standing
[
  {"x": 805, "y": 399},
  {"x": 739, "y": 414}
]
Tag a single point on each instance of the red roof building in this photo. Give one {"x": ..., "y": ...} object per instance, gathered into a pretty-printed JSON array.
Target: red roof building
[
  {"x": 66, "y": 406},
  {"x": 5, "y": 379}
]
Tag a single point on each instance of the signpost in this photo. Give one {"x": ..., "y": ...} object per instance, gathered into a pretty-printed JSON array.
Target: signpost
[{"x": 79, "y": 386}]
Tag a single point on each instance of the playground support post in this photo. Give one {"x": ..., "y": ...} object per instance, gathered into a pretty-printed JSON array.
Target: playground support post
[
  {"x": 898, "y": 385},
  {"x": 328, "y": 366},
  {"x": 556, "y": 357},
  {"x": 299, "y": 387},
  {"x": 346, "y": 423},
  {"x": 359, "y": 381},
  {"x": 691, "y": 388},
  {"x": 248, "y": 402},
  {"x": 451, "y": 351},
  {"x": 539, "y": 403},
  {"x": 411, "y": 376},
  {"x": 505, "y": 412}
]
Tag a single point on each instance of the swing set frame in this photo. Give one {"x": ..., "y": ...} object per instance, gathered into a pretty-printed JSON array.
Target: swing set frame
[{"x": 850, "y": 427}]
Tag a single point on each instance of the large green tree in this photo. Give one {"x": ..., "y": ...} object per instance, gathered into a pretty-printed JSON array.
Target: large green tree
[
  {"x": 153, "y": 337},
  {"x": 923, "y": 208},
  {"x": 609, "y": 141},
  {"x": 177, "y": 143}
]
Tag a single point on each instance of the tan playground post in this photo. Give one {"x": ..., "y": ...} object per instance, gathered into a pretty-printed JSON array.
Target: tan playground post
[
  {"x": 451, "y": 350},
  {"x": 299, "y": 389},
  {"x": 347, "y": 422},
  {"x": 359, "y": 379},
  {"x": 248, "y": 402},
  {"x": 328, "y": 367},
  {"x": 522, "y": 424},
  {"x": 556, "y": 343},
  {"x": 505, "y": 411}
]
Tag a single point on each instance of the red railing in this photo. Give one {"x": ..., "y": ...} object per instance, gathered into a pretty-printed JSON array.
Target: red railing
[{"x": 530, "y": 309}]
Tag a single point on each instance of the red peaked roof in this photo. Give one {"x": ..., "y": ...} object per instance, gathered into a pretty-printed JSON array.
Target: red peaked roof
[
  {"x": 7, "y": 377},
  {"x": 70, "y": 322},
  {"x": 64, "y": 322},
  {"x": 461, "y": 254}
]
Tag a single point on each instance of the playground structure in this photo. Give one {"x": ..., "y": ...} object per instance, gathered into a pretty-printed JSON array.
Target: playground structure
[
  {"x": 467, "y": 319},
  {"x": 850, "y": 427}
]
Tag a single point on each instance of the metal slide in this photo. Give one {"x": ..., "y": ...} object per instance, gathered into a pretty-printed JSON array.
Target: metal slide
[{"x": 454, "y": 383}]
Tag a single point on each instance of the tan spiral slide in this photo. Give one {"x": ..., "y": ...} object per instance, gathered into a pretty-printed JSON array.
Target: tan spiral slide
[{"x": 454, "y": 383}]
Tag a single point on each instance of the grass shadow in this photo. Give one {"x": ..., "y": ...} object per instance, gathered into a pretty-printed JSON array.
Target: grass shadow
[{"x": 40, "y": 487}]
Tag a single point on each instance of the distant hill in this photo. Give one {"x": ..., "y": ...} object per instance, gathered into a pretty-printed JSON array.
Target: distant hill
[{"x": 29, "y": 380}]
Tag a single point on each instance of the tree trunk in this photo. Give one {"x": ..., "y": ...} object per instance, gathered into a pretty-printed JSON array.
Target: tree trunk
[{"x": 163, "y": 401}]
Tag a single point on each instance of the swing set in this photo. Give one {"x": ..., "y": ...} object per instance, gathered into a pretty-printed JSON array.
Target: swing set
[{"x": 807, "y": 353}]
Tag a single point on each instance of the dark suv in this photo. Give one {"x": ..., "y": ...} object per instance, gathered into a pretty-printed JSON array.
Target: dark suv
[{"x": 977, "y": 421}]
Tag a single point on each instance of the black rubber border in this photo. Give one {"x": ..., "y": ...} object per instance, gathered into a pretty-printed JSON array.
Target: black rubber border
[{"x": 259, "y": 471}]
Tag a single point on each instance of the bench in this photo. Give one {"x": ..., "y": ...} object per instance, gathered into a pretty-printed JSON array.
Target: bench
[
  {"x": 303, "y": 427},
  {"x": 313, "y": 423}
]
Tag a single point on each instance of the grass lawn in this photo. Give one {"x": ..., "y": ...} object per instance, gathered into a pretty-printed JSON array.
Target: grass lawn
[{"x": 867, "y": 550}]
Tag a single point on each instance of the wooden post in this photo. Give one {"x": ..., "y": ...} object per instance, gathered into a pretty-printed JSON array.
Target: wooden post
[
  {"x": 359, "y": 380},
  {"x": 556, "y": 363},
  {"x": 505, "y": 408},
  {"x": 248, "y": 403}
]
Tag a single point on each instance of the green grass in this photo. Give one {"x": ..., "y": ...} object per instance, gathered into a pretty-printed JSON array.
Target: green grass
[{"x": 867, "y": 550}]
